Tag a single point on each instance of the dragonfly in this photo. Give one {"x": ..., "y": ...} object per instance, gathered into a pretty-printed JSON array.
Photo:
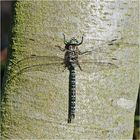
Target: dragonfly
[{"x": 70, "y": 62}]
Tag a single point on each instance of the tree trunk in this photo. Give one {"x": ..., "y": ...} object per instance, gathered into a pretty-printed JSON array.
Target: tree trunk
[{"x": 35, "y": 101}]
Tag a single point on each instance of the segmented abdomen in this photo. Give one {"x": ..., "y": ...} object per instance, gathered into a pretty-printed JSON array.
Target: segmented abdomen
[{"x": 72, "y": 94}]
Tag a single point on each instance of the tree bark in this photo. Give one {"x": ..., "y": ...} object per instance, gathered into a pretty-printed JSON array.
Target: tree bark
[{"x": 35, "y": 101}]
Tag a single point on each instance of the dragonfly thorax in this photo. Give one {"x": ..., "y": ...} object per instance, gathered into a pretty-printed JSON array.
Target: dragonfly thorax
[{"x": 70, "y": 57}]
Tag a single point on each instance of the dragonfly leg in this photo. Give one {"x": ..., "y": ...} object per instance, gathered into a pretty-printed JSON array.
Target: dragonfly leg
[
  {"x": 65, "y": 66},
  {"x": 86, "y": 52},
  {"x": 62, "y": 49},
  {"x": 79, "y": 65}
]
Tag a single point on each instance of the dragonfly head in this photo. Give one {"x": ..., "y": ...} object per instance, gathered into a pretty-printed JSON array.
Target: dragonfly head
[{"x": 72, "y": 42}]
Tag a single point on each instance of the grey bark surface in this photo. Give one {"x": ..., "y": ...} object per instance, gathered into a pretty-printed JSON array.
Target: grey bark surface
[{"x": 36, "y": 104}]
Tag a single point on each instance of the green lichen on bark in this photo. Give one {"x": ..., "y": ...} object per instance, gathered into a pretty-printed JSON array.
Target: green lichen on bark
[{"x": 36, "y": 100}]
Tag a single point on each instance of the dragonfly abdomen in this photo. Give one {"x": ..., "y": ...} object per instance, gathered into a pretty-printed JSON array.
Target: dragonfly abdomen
[{"x": 72, "y": 94}]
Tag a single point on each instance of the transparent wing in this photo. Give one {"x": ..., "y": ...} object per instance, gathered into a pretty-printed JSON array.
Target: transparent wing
[
  {"x": 98, "y": 45},
  {"x": 103, "y": 56},
  {"x": 40, "y": 63},
  {"x": 98, "y": 58},
  {"x": 102, "y": 47},
  {"x": 93, "y": 65}
]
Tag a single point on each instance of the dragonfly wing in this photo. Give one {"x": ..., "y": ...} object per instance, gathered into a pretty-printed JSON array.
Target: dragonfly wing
[
  {"x": 50, "y": 64},
  {"x": 91, "y": 66}
]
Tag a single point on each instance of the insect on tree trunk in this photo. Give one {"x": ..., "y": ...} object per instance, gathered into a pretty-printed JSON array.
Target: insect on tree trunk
[{"x": 98, "y": 95}]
